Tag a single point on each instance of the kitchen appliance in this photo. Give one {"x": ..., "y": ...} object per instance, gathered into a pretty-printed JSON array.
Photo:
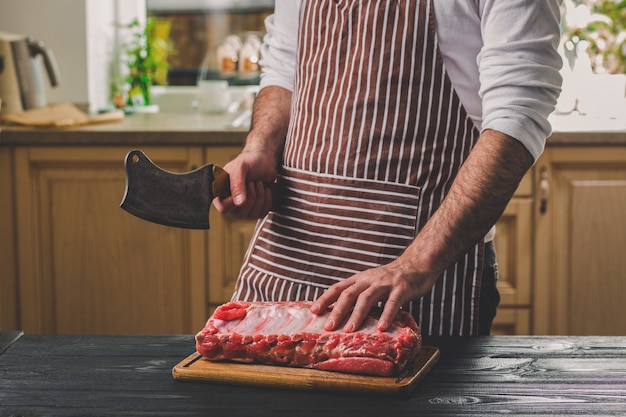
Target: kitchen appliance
[{"x": 22, "y": 73}]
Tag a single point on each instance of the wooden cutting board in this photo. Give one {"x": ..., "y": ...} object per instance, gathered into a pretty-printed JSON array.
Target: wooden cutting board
[
  {"x": 60, "y": 115},
  {"x": 196, "y": 368}
]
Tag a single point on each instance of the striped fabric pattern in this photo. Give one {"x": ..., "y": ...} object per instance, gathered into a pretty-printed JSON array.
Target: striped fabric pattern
[{"x": 377, "y": 136}]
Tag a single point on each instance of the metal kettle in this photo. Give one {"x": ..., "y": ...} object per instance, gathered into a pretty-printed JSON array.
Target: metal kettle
[{"x": 22, "y": 84}]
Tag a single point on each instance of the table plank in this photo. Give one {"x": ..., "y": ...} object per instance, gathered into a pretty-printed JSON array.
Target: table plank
[{"x": 131, "y": 375}]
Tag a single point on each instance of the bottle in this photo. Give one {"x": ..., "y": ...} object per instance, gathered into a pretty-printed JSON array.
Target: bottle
[
  {"x": 249, "y": 56},
  {"x": 228, "y": 56}
]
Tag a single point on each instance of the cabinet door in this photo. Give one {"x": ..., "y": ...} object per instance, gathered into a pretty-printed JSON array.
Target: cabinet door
[
  {"x": 514, "y": 253},
  {"x": 513, "y": 242},
  {"x": 86, "y": 265},
  {"x": 581, "y": 263}
]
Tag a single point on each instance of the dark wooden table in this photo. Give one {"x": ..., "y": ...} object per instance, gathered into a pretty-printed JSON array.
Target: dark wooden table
[{"x": 131, "y": 376}]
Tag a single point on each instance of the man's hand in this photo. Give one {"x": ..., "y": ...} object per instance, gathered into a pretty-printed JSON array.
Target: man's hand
[
  {"x": 251, "y": 198},
  {"x": 357, "y": 295}
]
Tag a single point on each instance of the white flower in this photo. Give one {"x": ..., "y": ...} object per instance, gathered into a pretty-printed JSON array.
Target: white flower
[{"x": 576, "y": 17}]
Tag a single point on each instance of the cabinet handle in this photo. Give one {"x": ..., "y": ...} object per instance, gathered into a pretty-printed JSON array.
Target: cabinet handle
[{"x": 544, "y": 190}]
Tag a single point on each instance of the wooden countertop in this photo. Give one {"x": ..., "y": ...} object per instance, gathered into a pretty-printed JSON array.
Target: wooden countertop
[
  {"x": 212, "y": 130},
  {"x": 142, "y": 129},
  {"x": 577, "y": 130},
  {"x": 131, "y": 375}
]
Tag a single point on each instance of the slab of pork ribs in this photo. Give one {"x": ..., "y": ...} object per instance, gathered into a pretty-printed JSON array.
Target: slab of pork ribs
[{"x": 287, "y": 333}]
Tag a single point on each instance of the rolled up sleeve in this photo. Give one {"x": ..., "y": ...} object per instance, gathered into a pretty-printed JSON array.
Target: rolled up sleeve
[{"x": 519, "y": 68}]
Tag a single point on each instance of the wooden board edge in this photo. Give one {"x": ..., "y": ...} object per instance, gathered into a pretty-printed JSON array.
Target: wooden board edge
[
  {"x": 7, "y": 338},
  {"x": 421, "y": 368},
  {"x": 303, "y": 378}
]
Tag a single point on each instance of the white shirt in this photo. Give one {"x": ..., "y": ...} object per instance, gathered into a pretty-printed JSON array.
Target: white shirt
[{"x": 501, "y": 56}]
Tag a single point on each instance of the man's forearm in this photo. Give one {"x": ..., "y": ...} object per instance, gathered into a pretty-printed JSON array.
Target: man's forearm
[
  {"x": 477, "y": 198},
  {"x": 270, "y": 121}
]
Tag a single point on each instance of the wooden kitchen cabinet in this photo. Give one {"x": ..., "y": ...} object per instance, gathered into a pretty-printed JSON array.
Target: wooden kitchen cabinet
[
  {"x": 72, "y": 261},
  {"x": 580, "y": 242},
  {"x": 87, "y": 266}
]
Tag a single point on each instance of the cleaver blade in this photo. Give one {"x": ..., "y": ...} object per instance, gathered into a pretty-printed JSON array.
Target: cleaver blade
[{"x": 172, "y": 199}]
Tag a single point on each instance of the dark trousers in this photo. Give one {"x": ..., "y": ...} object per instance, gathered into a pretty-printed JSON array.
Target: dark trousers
[{"x": 489, "y": 295}]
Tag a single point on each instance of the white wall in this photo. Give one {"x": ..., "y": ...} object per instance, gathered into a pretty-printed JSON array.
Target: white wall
[{"x": 82, "y": 35}]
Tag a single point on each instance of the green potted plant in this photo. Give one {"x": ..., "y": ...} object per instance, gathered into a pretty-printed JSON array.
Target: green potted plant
[{"x": 146, "y": 55}]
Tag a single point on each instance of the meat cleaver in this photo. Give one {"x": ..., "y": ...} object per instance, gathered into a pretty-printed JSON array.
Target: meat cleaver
[{"x": 172, "y": 199}]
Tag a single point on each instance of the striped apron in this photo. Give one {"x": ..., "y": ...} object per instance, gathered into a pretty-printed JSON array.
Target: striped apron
[{"x": 377, "y": 135}]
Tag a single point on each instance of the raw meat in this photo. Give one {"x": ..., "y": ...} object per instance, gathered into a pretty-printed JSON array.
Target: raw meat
[{"x": 287, "y": 333}]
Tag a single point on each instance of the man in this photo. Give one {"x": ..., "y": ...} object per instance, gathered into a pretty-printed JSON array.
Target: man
[{"x": 396, "y": 132}]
